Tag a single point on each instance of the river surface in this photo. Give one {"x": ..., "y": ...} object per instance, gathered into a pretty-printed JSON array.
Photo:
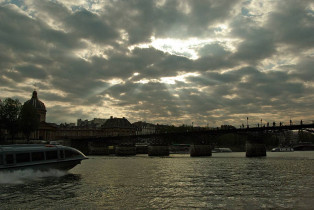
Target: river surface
[{"x": 223, "y": 181}]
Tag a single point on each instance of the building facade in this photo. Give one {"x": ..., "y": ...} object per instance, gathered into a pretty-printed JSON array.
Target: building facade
[
  {"x": 118, "y": 127},
  {"x": 144, "y": 128},
  {"x": 39, "y": 106},
  {"x": 95, "y": 123},
  {"x": 45, "y": 131}
]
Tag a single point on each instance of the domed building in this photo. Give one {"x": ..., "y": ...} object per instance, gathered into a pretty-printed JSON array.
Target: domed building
[
  {"x": 39, "y": 106},
  {"x": 45, "y": 131}
]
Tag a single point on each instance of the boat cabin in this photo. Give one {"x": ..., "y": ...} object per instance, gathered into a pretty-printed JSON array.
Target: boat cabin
[{"x": 21, "y": 155}]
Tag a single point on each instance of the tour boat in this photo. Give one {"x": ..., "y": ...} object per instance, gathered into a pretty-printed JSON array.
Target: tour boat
[
  {"x": 216, "y": 150},
  {"x": 282, "y": 149},
  {"x": 39, "y": 157}
]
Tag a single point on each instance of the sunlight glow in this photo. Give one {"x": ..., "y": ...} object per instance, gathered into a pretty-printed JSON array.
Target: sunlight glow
[
  {"x": 92, "y": 50},
  {"x": 185, "y": 48},
  {"x": 189, "y": 48},
  {"x": 115, "y": 81},
  {"x": 181, "y": 78},
  {"x": 232, "y": 96},
  {"x": 169, "y": 80},
  {"x": 143, "y": 81},
  {"x": 222, "y": 29},
  {"x": 124, "y": 37}
]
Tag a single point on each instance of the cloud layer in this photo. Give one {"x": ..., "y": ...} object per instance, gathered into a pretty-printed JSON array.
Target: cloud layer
[{"x": 165, "y": 61}]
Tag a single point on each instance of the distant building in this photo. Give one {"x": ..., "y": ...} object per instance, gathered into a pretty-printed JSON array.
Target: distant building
[
  {"x": 75, "y": 132},
  {"x": 39, "y": 106},
  {"x": 67, "y": 125},
  {"x": 118, "y": 127},
  {"x": 95, "y": 123},
  {"x": 144, "y": 128},
  {"x": 164, "y": 128},
  {"x": 45, "y": 131},
  {"x": 91, "y": 129},
  {"x": 227, "y": 127}
]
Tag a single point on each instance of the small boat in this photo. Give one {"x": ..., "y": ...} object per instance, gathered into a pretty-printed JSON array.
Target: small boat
[
  {"x": 39, "y": 157},
  {"x": 282, "y": 149},
  {"x": 216, "y": 150}
]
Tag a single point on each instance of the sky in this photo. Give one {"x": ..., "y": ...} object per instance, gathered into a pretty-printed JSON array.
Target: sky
[{"x": 200, "y": 62}]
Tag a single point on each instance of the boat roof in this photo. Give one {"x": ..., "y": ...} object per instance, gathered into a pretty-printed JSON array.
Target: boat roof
[{"x": 28, "y": 147}]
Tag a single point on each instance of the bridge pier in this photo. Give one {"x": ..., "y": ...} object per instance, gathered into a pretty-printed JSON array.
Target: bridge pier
[
  {"x": 197, "y": 150},
  {"x": 158, "y": 150},
  {"x": 97, "y": 148},
  {"x": 125, "y": 150},
  {"x": 255, "y": 146},
  {"x": 141, "y": 149}
]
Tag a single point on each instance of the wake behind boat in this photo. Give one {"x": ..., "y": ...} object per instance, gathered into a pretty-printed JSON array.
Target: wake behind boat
[{"x": 39, "y": 157}]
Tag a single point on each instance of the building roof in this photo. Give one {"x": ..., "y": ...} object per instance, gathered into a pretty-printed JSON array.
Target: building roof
[
  {"x": 36, "y": 103},
  {"x": 141, "y": 124},
  {"x": 117, "y": 123}
]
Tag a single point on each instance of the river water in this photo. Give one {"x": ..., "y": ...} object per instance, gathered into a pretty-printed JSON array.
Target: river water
[{"x": 223, "y": 181}]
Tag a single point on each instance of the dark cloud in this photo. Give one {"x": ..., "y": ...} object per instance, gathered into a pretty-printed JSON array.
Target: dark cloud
[
  {"x": 215, "y": 50},
  {"x": 257, "y": 42},
  {"x": 88, "y": 25},
  {"x": 304, "y": 70},
  {"x": 292, "y": 24},
  {"x": 32, "y": 72},
  {"x": 174, "y": 18}
]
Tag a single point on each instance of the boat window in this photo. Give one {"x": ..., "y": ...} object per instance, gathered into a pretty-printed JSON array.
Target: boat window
[
  {"x": 50, "y": 155},
  {"x": 22, "y": 157},
  {"x": 61, "y": 152},
  {"x": 38, "y": 156},
  {"x": 9, "y": 158},
  {"x": 70, "y": 153}
]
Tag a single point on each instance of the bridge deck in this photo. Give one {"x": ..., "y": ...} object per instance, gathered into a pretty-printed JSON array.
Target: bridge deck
[{"x": 212, "y": 132}]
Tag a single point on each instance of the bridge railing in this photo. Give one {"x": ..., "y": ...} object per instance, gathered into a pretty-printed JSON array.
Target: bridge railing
[{"x": 215, "y": 131}]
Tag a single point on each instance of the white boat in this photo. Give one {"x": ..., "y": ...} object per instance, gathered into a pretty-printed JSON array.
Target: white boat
[
  {"x": 282, "y": 149},
  {"x": 215, "y": 150},
  {"x": 39, "y": 157}
]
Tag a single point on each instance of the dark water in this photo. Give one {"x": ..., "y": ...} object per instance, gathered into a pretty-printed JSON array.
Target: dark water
[{"x": 224, "y": 181}]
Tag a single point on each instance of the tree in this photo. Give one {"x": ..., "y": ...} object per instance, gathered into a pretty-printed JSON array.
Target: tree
[
  {"x": 9, "y": 112},
  {"x": 28, "y": 120},
  {"x": 1, "y": 122}
]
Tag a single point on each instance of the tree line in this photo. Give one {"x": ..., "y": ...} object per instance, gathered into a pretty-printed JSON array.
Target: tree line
[{"x": 15, "y": 118}]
